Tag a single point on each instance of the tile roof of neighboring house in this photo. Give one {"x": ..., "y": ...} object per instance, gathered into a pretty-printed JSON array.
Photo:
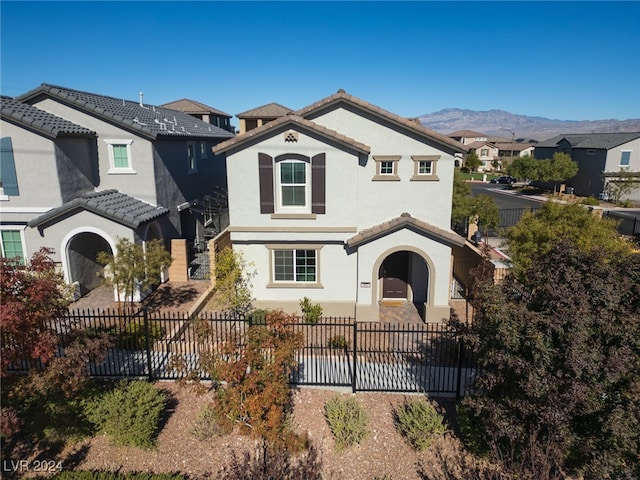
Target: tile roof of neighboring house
[
  {"x": 270, "y": 110},
  {"x": 479, "y": 144},
  {"x": 42, "y": 122},
  {"x": 145, "y": 120},
  {"x": 591, "y": 140},
  {"x": 466, "y": 134},
  {"x": 291, "y": 121},
  {"x": 341, "y": 96},
  {"x": 111, "y": 204},
  {"x": 405, "y": 221},
  {"x": 191, "y": 106}
]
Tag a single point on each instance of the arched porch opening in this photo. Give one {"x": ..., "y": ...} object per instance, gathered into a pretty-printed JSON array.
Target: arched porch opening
[{"x": 83, "y": 266}]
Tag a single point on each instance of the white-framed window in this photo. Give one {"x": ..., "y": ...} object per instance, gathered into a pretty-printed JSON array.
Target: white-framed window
[
  {"x": 424, "y": 167},
  {"x": 293, "y": 185},
  {"x": 12, "y": 244},
  {"x": 386, "y": 167},
  {"x": 625, "y": 158},
  {"x": 484, "y": 152},
  {"x": 120, "y": 160},
  {"x": 192, "y": 162},
  {"x": 294, "y": 266}
]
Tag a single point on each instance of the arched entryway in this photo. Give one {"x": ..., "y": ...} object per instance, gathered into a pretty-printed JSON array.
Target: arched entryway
[{"x": 83, "y": 266}]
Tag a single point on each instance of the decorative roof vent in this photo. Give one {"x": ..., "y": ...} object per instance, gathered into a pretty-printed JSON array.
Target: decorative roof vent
[{"x": 291, "y": 137}]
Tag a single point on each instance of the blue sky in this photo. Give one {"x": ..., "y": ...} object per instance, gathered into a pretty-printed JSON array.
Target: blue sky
[{"x": 565, "y": 60}]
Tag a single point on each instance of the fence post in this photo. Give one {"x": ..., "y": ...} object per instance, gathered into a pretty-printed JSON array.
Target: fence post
[
  {"x": 460, "y": 355},
  {"x": 147, "y": 341},
  {"x": 355, "y": 362}
]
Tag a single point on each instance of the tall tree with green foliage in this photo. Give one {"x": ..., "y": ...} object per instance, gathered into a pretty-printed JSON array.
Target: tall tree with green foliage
[
  {"x": 472, "y": 162},
  {"x": 461, "y": 200},
  {"x": 484, "y": 210},
  {"x": 557, "y": 169},
  {"x": 524, "y": 168},
  {"x": 558, "y": 389},
  {"x": 134, "y": 267},
  {"x": 537, "y": 232}
]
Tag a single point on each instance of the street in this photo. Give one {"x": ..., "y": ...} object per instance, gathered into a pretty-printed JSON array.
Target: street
[{"x": 504, "y": 200}]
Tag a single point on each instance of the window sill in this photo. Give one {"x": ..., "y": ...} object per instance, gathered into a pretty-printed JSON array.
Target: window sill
[
  {"x": 294, "y": 285},
  {"x": 121, "y": 171},
  {"x": 192, "y": 172},
  {"x": 425, "y": 178},
  {"x": 293, "y": 216},
  {"x": 4, "y": 198},
  {"x": 386, "y": 178}
]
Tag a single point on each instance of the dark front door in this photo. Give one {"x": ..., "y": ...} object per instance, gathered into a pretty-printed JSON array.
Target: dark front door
[{"x": 395, "y": 270}]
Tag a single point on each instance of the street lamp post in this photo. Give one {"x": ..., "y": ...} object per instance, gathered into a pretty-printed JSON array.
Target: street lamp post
[{"x": 513, "y": 135}]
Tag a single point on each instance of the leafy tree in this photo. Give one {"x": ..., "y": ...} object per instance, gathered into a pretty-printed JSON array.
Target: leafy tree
[
  {"x": 558, "y": 168},
  {"x": 472, "y": 162},
  {"x": 525, "y": 167},
  {"x": 537, "y": 231},
  {"x": 483, "y": 208},
  {"x": 32, "y": 297},
  {"x": 559, "y": 391},
  {"x": 134, "y": 267},
  {"x": 233, "y": 282},
  {"x": 461, "y": 200}
]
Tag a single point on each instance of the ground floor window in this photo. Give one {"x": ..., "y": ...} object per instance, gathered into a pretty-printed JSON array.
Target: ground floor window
[
  {"x": 12, "y": 245},
  {"x": 294, "y": 265}
]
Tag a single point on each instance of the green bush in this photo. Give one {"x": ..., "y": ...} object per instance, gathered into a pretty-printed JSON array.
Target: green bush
[
  {"x": 258, "y": 317},
  {"x": 338, "y": 341},
  {"x": 347, "y": 420},
  {"x": 134, "y": 336},
  {"x": 471, "y": 431},
  {"x": 589, "y": 201},
  {"x": 105, "y": 475},
  {"x": 129, "y": 414},
  {"x": 208, "y": 424},
  {"x": 311, "y": 312},
  {"x": 418, "y": 421}
]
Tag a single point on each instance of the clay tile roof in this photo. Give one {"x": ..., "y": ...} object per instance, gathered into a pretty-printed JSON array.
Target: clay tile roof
[
  {"x": 191, "y": 106},
  {"x": 341, "y": 96},
  {"x": 405, "y": 221},
  {"x": 111, "y": 204},
  {"x": 270, "y": 110},
  {"x": 293, "y": 121},
  {"x": 592, "y": 140},
  {"x": 45, "y": 123},
  {"x": 466, "y": 134},
  {"x": 145, "y": 120}
]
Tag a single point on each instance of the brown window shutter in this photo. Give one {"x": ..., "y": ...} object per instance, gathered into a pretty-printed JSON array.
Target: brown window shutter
[
  {"x": 265, "y": 173},
  {"x": 318, "y": 187}
]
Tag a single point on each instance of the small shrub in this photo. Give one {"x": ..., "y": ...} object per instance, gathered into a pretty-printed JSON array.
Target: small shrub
[
  {"x": 311, "y": 312},
  {"x": 258, "y": 317},
  {"x": 129, "y": 414},
  {"x": 347, "y": 420},
  {"x": 134, "y": 336},
  {"x": 338, "y": 341},
  {"x": 209, "y": 425},
  {"x": 418, "y": 421},
  {"x": 471, "y": 431},
  {"x": 589, "y": 201}
]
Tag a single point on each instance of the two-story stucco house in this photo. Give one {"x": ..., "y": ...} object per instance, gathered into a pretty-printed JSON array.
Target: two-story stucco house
[
  {"x": 80, "y": 170},
  {"x": 600, "y": 157},
  {"x": 347, "y": 204}
]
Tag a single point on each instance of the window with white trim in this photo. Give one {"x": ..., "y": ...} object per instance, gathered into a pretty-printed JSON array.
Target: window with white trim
[
  {"x": 120, "y": 156},
  {"x": 386, "y": 167},
  {"x": 424, "y": 167},
  {"x": 293, "y": 185},
  {"x": 12, "y": 245},
  {"x": 294, "y": 265},
  {"x": 625, "y": 158}
]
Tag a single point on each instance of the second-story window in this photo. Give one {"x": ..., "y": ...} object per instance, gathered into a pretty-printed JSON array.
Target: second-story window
[
  {"x": 293, "y": 183},
  {"x": 625, "y": 158},
  {"x": 191, "y": 157},
  {"x": 386, "y": 167},
  {"x": 120, "y": 160},
  {"x": 424, "y": 167}
]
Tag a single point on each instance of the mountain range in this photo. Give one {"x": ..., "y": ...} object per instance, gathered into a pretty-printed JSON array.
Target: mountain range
[{"x": 494, "y": 123}]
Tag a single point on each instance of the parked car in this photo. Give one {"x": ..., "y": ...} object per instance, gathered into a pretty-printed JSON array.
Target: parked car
[{"x": 506, "y": 179}]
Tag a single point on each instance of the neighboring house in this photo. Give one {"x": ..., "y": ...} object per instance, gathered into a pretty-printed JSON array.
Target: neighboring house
[
  {"x": 80, "y": 170},
  {"x": 514, "y": 149},
  {"x": 486, "y": 152},
  {"x": 202, "y": 112},
  {"x": 600, "y": 156},
  {"x": 347, "y": 204},
  {"x": 256, "y": 117},
  {"x": 466, "y": 137}
]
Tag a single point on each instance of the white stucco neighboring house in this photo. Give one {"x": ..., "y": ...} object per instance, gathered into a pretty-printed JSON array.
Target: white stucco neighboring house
[{"x": 347, "y": 204}]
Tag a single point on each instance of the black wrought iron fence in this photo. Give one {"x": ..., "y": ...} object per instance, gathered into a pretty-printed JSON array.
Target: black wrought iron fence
[{"x": 338, "y": 352}]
